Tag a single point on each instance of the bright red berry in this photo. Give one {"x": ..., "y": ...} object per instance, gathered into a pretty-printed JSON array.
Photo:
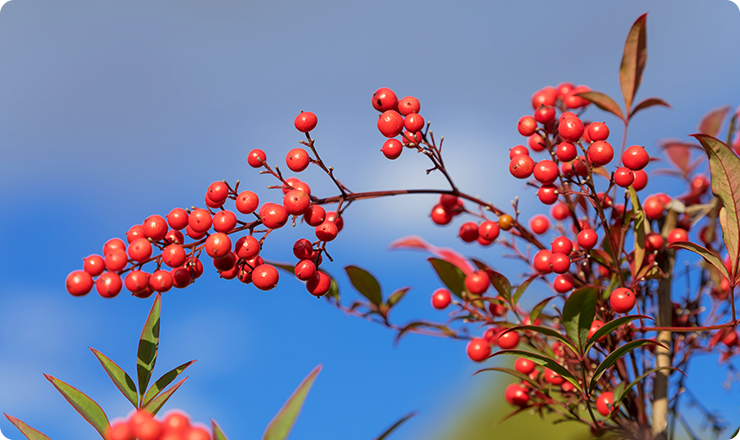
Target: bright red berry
[
  {"x": 635, "y": 158},
  {"x": 441, "y": 298},
  {"x": 563, "y": 283},
  {"x": 319, "y": 284},
  {"x": 566, "y": 151},
  {"x": 116, "y": 260},
  {"x": 508, "y": 340},
  {"x": 218, "y": 245},
  {"x": 587, "y": 238},
  {"x": 94, "y": 265},
  {"x": 598, "y": 131},
  {"x": 521, "y": 166},
  {"x": 524, "y": 365},
  {"x": 562, "y": 244},
  {"x": 477, "y": 282},
  {"x": 488, "y": 230},
  {"x": 536, "y": 143},
  {"x": 546, "y": 171},
  {"x": 469, "y": 232},
  {"x": 441, "y": 215},
  {"x": 119, "y": 431},
  {"x": 545, "y": 96},
  {"x": 571, "y": 129},
  {"x": 478, "y": 349},
  {"x": 390, "y": 123},
  {"x": 517, "y": 395},
  {"x": 553, "y": 377},
  {"x": 545, "y": 114},
  {"x": 218, "y": 191},
  {"x": 653, "y": 207},
  {"x": 297, "y": 159},
  {"x": 161, "y": 281},
  {"x": 624, "y": 177},
  {"x": 548, "y": 194},
  {"x": 384, "y": 99},
  {"x": 327, "y": 231},
  {"x": 595, "y": 326},
  {"x": 527, "y": 125},
  {"x": 314, "y": 215},
  {"x": 541, "y": 261},
  {"x": 409, "y": 105},
  {"x": 79, "y": 283},
  {"x": 109, "y": 284},
  {"x": 296, "y": 202},
  {"x": 177, "y": 219},
  {"x": 256, "y": 158},
  {"x": 247, "y": 202},
  {"x": 516, "y": 151},
  {"x": 622, "y": 300},
  {"x": 392, "y": 149},
  {"x": 560, "y": 263},
  {"x": 560, "y": 211},
  {"x": 273, "y": 216},
  {"x": 306, "y": 121},
  {"x": 200, "y": 220},
  {"x": 677, "y": 234},
  {"x": 600, "y": 153},
  {"x": 604, "y": 403},
  {"x": 304, "y": 270},
  {"x": 413, "y": 122},
  {"x": 140, "y": 249},
  {"x": 265, "y": 277},
  {"x": 539, "y": 224}
]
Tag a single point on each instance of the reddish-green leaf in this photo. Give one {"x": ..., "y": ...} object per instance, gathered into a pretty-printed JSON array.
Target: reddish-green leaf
[
  {"x": 708, "y": 256},
  {"x": 523, "y": 288},
  {"x": 610, "y": 327},
  {"x": 119, "y": 377},
  {"x": 501, "y": 284},
  {"x": 393, "y": 427},
  {"x": 578, "y": 314},
  {"x": 640, "y": 230},
  {"x": 518, "y": 375},
  {"x": 158, "y": 402},
  {"x": 412, "y": 325},
  {"x": 27, "y": 431},
  {"x": 365, "y": 283},
  {"x": 88, "y": 408},
  {"x": 281, "y": 425},
  {"x": 397, "y": 296},
  {"x": 146, "y": 357},
  {"x": 647, "y": 103},
  {"x": 633, "y": 61},
  {"x": 711, "y": 123},
  {"x": 451, "y": 275},
  {"x": 679, "y": 153},
  {"x": 164, "y": 381},
  {"x": 537, "y": 309},
  {"x": 218, "y": 434},
  {"x": 614, "y": 356},
  {"x": 547, "y": 331},
  {"x": 724, "y": 166},
  {"x": 548, "y": 362},
  {"x": 604, "y": 102}
]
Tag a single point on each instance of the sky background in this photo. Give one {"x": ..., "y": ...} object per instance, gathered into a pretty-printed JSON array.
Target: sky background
[{"x": 113, "y": 111}]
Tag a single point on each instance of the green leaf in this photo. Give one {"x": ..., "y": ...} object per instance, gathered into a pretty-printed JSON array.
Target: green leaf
[
  {"x": 88, "y": 408},
  {"x": 365, "y": 283},
  {"x": 522, "y": 288},
  {"x": 148, "y": 346},
  {"x": 545, "y": 361},
  {"x": 27, "y": 431},
  {"x": 284, "y": 266},
  {"x": 547, "y": 331},
  {"x": 217, "y": 433},
  {"x": 709, "y": 256},
  {"x": 711, "y": 123},
  {"x": 614, "y": 356},
  {"x": 724, "y": 166},
  {"x": 281, "y": 425},
  {"x": 451, "y": 275},
  {"x": 119, "y": 377},
  {"x": 163, "y": 381},
  {"x": 514, "y": 373},
  {"x": 536, "y": 310},
  {"x": 412, "y": 325},
  {"x": 604, "y": 102},
  {"x": 501, "y": 284},
  {"x": 633, "y": 61},
  {"x": 647, "y": 103},
  {"x": 610, "y": 327},
  {"x": 158, "y": 402},
  {"x": 397, "y": 296},
  {"x": 396, "y": 425},
  {"x": 640, "y": 232},
  {"x": 578, "y": 314}
]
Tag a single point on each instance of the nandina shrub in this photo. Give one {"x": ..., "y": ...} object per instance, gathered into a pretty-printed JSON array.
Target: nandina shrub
[{"x": 602, "y": 350}]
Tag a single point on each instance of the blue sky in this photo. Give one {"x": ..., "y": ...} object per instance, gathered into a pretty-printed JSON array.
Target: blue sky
[{"x": 113, "y": 111}]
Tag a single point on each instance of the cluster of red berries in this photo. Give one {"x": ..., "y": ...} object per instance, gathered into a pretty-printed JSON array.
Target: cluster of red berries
[
  {"x": 398, "y": 118},
  {"x": 142, "y": 425}
]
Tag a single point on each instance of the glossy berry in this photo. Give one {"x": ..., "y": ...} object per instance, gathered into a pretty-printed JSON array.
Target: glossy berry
[
  {"x": 598, "y": 131},
  {"x": 521, "y": 166},
  {"x": 595, "y": 326},
  {"x": 119, "y": 431},
  {"x": 677, "y": 234},
  {"x": 305, "y": 122},
  {"x": 174, "y": 236},
  {"x": 541, "y": 261},
  {"x": 539, "y": 224},
  {"x": 546, "y": 171},
  {"x": 265, "y": 277},
  {"x": 297, "y": 160},
  {"x": 161, "y": 281},
  {"x": 478, "y": 349},
  {"x": 641, "y": 180},
  {"x": 392, "y": 149},
  {"x": 469, "y": 232},
  {"x": 390, "y": 123},
  {"x": 409, "y": 105},
  {"x": 247, "y": 202},
  {"x": 524, "y": 366},
  {"x": 506, "y": 222},
  {"x": 635, "y": 158},
  {"x": 256, "y": 158},
  {"x": 177, "y": 219},
  {"x": 200, "y": 220},
  {"x": 116, "y": 260},
  {"x": 94, "y": 265},
  {"x": 225, "y": 263},
  {"x": 296, "y": 202},
  {"x": 314, "y": 215},
  {"x": 587, "y": 239},
  {"x": 560, "y": 211},
  {"x": 326, "y": 231},
  {"x": 548, "y": 194},
  {"x": 517, "y": 395},
  {"x": 566, "y": 152},
  {"x": 653, "y": 207},
  {"x": 211, "y": 204},
  {"x": 136, "y": 231},
  {"x": 600, "y": 153},
  {"x": 527, "y": 125},
  {"x": 140, "y": 249},
  {"x": 560, "y": 263},
  {"x": 108, "y": 284},
  {"x": 622, "y": 300},
  {"x": 563, "y": 283},
  {"x": 304, "y": 270},
  {"x": 273, "y": 216},
  {"x": 516, "y": 151},
  {"x": 536, "y": 143},
  {"x": 624, "y": 177},
  {"x": 604, "y": 403},
  {"x": 224, "y": 221},
  {"x": 411, "y": 138},
  {"x": 571, "y": 129},
  {"x": 413, "y": 122},
  {"x": 292, "y": 183},
  {"x": 218, "y": 245},
  {"x": 562, "y": 245},
  {"x": 552, "y": 377},
  {"x": 477, "y": 282},
  {"x": 441, "y": 298},
  {"x": 488, "y": 230},
  {"x": 319, "y": 285},
  {"x": 545, "y": 96},
  {"x": 302, "y": 249},
  {"x": 384, "y": 99},
  {"x": 545, "y": 114},
  {"x": 218, "y": 192},
  {"x": 79, "y": 283},
  {"x": 508, "y": 340}
]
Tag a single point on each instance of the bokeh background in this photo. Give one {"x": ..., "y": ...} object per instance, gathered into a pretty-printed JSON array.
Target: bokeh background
[{"x": 113, "y": 111}]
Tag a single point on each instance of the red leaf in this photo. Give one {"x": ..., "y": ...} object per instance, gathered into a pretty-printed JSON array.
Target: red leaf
[
  {"x": 603, "y": 101},
  {"x": 647, "y": 103},
  {"x": 633, "y": 61},
  {"x": 711, "y": 123},
  {"x": 678, "y": 153},
  {"x": 447, "y": 254}
]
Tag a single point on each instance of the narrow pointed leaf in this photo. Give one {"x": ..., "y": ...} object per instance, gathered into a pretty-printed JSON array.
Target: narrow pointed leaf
[
  {"x": 523, "y": 288},
  {"x": 620, "y": 392},
  {"x": 218, "y": 434},
  {"x": 451, "y": 275},
  {"x": 164, "y": 381},
  {"x": 640, "y": 233},
  {"x": 537, "y": 309},
  {"x": 88, "y": 408},
  {"x": 514, "y": 373},
  {"x": 501, "y": 284},
  {"x": 365, "y": 283},
  {"x": 27, "y": 431},
  {"x": 119, "y": 377},
  {"x": 397, "y": 296},
  {"x": 711, "y": 123},
  {"x": 647, "y": 103},
  {"x": 611, "y": 326},
  {"x": 604, "y": 102},
  {"x": 281, "y": 425},
  {"x": 724, "y": 166},
  {"x": 547, "y": 331},
  {"x": 633, "y": 61},
  {"x": 615, "y": 356},
  {"x": 708, "y": 256},
  {"x": 396, "y": 425},
  {"x": 158, "y": 402},
  {"x": 148, "y": 346},
  {"x": 578, "y": 314},
  {"x": 284, "y": 266},
  {"x": 545, "y": 361}
]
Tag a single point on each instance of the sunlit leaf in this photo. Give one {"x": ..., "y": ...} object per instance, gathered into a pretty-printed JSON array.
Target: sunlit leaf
[
  {"x": 447, "y": 254},
  {"x": 578, "y": 314},
  {"x": 365, "y": 283},
  {"x": 393, "y": 427},
  {"x": 451, "y": 275},
  {"x": 647, "y": 103},
  {"x": 27, "y": 431},
  {"x": 119, "y": 377},
  {"x": 615, "y": 356},
  {"x": 610, "y": 327},
  {"x": 547, "y": 331},
  {"x": 397, "y": 296},
  {"x": 148, "y": 346},
  {"x": 218, "y": 434},
  {"x": 640, "y": 230},
  {"x": 88, "y": 408},
  {"x": 501, "y": 284},
  {"x": 711, "y": 123},
  {"x": 164, "y": 381},
  {"x": 604, "y": 102},
  {"x": 280, "y": 426},
  {"x": 633, "y": 61},
  {"x": 158, "y": 402},
  {"x": 543, "y": 360}
]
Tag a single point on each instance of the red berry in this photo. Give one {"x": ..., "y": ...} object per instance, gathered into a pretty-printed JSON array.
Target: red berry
[
  {"x": 247, "y": 202},
  {"x": 536, "y": 143},
  {"x": 161, "y": 281},
  {"x": 653, "y": 207},
  {"x": 305, "y": 122},
  {"x": 304, "y": 270},
  {"x": 113, "y": 243},
  {"x": 600, "y": 153},
  {"x": 224, "y": 221},
  {"x": 331, "y": 216},
  {"x": 595, "y": 326},
  {"x": 521, "y": 166},
  {"x": 119, "y": 431},
  {"x": 302, "y": 249},
  {"x": 226, "y": 263},
  {"x": 524, "y": 366},
  {"x": 564, "y": 89},
  {"x": 548, "y": 194},
  {"x": 441, "y": 215},
  {"x": 604, "y": 403},
  {"x": 327, "y": 231},
  {"x": 641, "y": 180},
  {"x": 94, "y": 265},
  {"x": 247, "y": 247},
  {"x": 79, "y": 283},
  {"x": 441, "y": 298},
  {"x": 488, "y": 230},
  {"x": 541, "y": 261},
  {"x": 623, "y": 177},
  {"x": 194, "y": 235},
  {"x": 622, "y": 300},
  {"x": 545, "y": 114},
  {"x": 319, "y": 284},
  {"x": 477, "y": 282},
  {"x": 409, "y": 105},
  {"x": 140, "y": 249},
  {"x": 516, "y": 151},
  {"x": 508, "y": 340},
  {"x": 137, "y": 281},
  {"x": 545, "y": 96},
  {"x": 553, "y": 377},
  {"x": 563, "y": 283},
  {"x": 562, "y": 244},
  {"x": 265, "y": 277},
  {"x": 218, "y": 192},
  {"x": 273, "y": 216},
  {"x": 200, "y": 220},
  {"x": 384, "y": 99},
  {"x": 413, "y": 122},
  {"x": 296, "y": 202},
  {"x": 196, "y": 433},
  {"x": 390, "y": 123},
  {"x": 218, "y": 245},
  {"x": 546, "y": 171},
  {"x": 297, "y": 159},
  {"x": 587, "y": 238},
  {"x": 256, "y": 158},
  {"x": 469, "y": 232},
  {"x": 478, "y": 349},
  {"x": 517, "y": 395},
  {"x": 635, "y": 158},
  {"x": 314, "y": 215},
  {"x": 566, "y": 151},
  {"x": 677, "y": 234},
  {"x": 177, "y": 219},
  {"x": 598, "y": 131},
  {"x": 392, "y": 149},
  {"x": 571, "y": 129},
  {"x": 560, "y": 263},
  {"x": 411, "y": 138},
  {"x": 175, "y": 421},
  {"x": 211, "y": 204},
  {"x": 116, "y": 260},
  {"x": 560, "y": 211},
  {"x": 539, "y": 224},
  {"x": 108, "y": 284},
  {"x": 136, "y": 231},
  {"x": 527, "y": 125}
]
